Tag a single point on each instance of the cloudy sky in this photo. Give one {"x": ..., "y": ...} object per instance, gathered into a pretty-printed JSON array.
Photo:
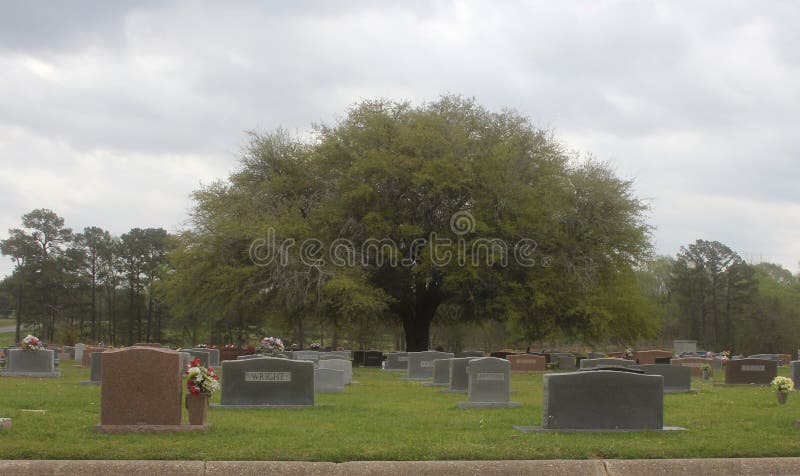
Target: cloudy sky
[{"x": 112, "y": 112}]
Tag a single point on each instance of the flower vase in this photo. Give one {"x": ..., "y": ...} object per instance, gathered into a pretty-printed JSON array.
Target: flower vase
[
  {"x": 706, "y": 375},
  {"x": 197, "y": 406},
  {"x": 782, "y": 396}
]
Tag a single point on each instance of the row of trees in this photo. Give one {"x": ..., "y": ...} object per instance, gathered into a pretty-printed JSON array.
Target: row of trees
[
  {"x": 90, "y": 285},
  {"x": 709, "y": 293},
  {"x": 395, "y": 221}
]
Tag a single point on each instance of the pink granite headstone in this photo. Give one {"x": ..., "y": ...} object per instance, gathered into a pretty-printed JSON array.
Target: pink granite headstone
[
  {"x": 527, "y": 363},
  {"x": 141, "y": 386}
]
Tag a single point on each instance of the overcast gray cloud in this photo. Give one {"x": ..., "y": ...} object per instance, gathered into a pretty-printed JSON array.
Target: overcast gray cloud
[{"x": 111, "y": 113}]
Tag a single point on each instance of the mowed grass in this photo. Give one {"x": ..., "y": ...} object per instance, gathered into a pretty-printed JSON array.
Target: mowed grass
[{"x": 386, "y": 418}]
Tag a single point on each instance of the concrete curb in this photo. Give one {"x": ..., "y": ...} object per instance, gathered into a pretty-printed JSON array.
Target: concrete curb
[{"x": 660, "y": 467}]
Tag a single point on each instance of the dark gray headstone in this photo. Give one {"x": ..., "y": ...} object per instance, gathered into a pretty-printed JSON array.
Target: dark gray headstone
[
  {"x": 97, "y": 367},
  {"x": 470, "y": 353},
  {"x": 750, "y": 371},
  {"x": 267, "y": 382},
  {"x": 420, "y": 364},
  {"x": 676, "y": 379},
  {"x": 372, "y": 358},
  {"x": 610, "y": 362},
  {"x": 603, "y": 400},
  {"x": 459, "y": 379},
  {"x": 489, "y": 384}
]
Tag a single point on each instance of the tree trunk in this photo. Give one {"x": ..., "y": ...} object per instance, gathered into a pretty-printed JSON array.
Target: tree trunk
[
  {"x": 131, "y": 316},
  {"x": 419, "y": 315},
  {"x": 94, "y": 303},
  {"x": 17, "y": 335}
]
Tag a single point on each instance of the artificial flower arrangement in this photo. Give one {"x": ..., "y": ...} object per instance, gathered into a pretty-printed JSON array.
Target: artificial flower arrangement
[
  {"x": 229, "y": 347},
  {"x": 271, "y": 344},
  {"x": 314, "y": 346},
  {"x": 200, "y": 379},
  {"x": 782, "y": 384},
  {"x": 726, "y": 354},
  {"x": 706, "y": 368},
  {"x": 31, "y": 343}
]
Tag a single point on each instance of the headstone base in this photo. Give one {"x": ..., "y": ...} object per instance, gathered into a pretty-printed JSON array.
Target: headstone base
[
  {"x": 5, "y": 423},
  {"x": 88, "y": 382},
  {"x": 395, "y": 370},
  {"x": 149, "y": 428},
  {"x": 691, "y": 390},
  {"x": 219, "y": 405},
  {"x": 467, "y": 405},
  {"x": 431, "y": 384},
  {"x": 539, "y": 429},
  {"x": 31, "y": 374}
]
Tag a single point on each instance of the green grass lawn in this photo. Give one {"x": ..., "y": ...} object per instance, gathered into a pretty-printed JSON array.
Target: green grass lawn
[{"x": 385, "y": 418}]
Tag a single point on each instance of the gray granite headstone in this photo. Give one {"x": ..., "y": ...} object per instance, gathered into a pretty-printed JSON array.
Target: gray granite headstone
[
  {"x": 420, "y": 364},
  {"x": 565, "y": 360},
  {"x": 213, "y": 356},
  {"x": 767, "y": 357},
  {"x": 603, "y": 400},
  {"x": 397, "y": 361},
  {"x": 331, "y": 356},
  {"x": 251, "y": 356},
  {"x": 610, "y": 362},
  {"x": 79, "y": 352},
  {"x": 308, "y": 355},
  {"x": 373, "y": 358},
  {"x": 684, "y": 346},
  {"x": 489, "y": 384},
  {"x": 186, "y": 359},
  {"x": 339, "y": 364},
  {"x": 470, "y": 353},
  {"x": 595, "y": 355},
  {"x": 794, "y": 373},
  {"x": 203, "y": 354},
  {"x": 267, "y": 382},
  {"x": 328, "y": 380},
  {"x": 677, "y": 379},
  {"x": 459, "y": 379},
  {"x": 441, "y": 373},
  {"x": 97, "y": 367},
  {"x": 30, "y": 363}
]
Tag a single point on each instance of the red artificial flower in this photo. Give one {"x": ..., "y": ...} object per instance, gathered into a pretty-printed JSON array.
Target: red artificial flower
[
  {"x": 194, "y": 390},
  {"x": 195, "y": 362}
]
